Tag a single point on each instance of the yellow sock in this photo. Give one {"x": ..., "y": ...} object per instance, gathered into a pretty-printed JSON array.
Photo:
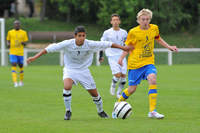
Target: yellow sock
[
  {"x": 152, "y": 97},
  {"x": 14, "y": 73},
  {"x": 21, "y": 74},
  {"x": 124, "y": 96}
]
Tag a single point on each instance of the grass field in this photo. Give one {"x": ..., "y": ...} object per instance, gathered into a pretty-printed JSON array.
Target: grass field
[{"x": 38, "y": 107}]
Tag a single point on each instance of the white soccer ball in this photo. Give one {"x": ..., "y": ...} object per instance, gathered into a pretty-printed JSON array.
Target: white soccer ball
[{"x": 122, "y": 110}]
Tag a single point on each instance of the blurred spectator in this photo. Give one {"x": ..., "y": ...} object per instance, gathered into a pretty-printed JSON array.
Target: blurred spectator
[
  {"x": 31, "y": 7},
  {"x": 5, "y": 5}
]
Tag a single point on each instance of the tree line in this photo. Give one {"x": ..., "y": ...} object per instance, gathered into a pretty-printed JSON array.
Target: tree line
[{"x": 170, "y": 15}]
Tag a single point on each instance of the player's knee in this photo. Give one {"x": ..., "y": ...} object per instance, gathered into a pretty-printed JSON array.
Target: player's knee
[
  {"x": 118, "y": 75},
  {"x": 67, "y": 87},
  {"x": 20, "y": 65},
  {"x": 132, "y": 89},
  {"x": 152, "y": 79},
  {"x": 14, "y": 64},
  {"x": 123, "y": 75}
]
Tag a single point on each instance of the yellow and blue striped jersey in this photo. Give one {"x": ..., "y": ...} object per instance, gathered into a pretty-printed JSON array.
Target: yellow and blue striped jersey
[{"x": 143, "y": 42}]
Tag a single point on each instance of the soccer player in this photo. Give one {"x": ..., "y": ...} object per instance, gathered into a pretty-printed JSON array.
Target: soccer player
[
  {"x": 78, "y": 56},
  {"x": 141, "y": 59},
  {"x": 16, "y": 40},
  {"x": 118, "y": 36}
]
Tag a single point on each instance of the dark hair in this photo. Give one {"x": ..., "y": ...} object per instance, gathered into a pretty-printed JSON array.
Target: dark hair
[
  {"x": 114, "y": 15},
  {"x": 79, "y": 29}
]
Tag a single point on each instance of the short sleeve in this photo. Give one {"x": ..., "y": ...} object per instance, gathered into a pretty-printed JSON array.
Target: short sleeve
[
  {"x": 157, "y": 36},
  {"x": 125, "y": 36},
  {"x": 103, "y": 38},
  {"x": 131, "y": 40},
  {"x": 8, "y": 36},
  {"x": 25, "y": 37}
]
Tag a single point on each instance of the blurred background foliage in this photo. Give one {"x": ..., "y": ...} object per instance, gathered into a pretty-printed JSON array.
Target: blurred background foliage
[{"x": 170, "y": 15}]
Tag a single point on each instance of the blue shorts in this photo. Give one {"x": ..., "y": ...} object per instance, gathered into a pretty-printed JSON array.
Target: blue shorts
[
  {"x": 16, "y": 59},
  {"x": 136, "y": 75}
]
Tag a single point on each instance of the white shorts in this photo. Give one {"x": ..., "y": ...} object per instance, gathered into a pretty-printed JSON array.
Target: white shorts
[
  {"x": 115, "y": 67},
  {"x": 83, "y": 77}
]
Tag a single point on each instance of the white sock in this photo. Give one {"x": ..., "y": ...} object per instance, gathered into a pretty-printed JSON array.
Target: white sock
[
  {"x": 114, "y": 81},
  {"x": 99, "y": 103},
  {"x": 121, "y": 84},
  {"x": 67, "y": 96}
]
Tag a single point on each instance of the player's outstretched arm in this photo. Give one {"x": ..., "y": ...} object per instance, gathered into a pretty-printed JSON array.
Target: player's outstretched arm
[
  {"x": 166, "y": 45},
  {"x": 125, "y": 48},
  {"x": 31, "y": 59}
]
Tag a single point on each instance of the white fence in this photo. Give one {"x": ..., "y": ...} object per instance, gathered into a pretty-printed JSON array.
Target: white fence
[
  {"x": 170, "y": 54},
  {"x": 2, "y": 38}
]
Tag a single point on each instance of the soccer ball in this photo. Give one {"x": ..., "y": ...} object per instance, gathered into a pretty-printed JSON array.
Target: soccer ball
[{"x": 122, "y": 110}]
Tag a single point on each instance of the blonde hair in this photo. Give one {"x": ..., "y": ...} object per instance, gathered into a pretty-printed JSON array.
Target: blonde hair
[{"x": 144, "y": 12}]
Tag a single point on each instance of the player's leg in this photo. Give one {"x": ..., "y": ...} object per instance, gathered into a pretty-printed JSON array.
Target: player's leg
[
  {"x": 127, "y": 92},
  {"x": 21, "y": 68},
  {"x": 122, "y": 83},
  {"x": 151, "y": 77},
  {"x": 115, "y": 79},
  {"x": 152, "y": 91},
  {"x": 134, "y": 78},
  {"x": 67, "y": 96},
  {"x": 122, "y": 80},
  {"x": 112, "y": 60},
  {"x": 86, "y": 80},
  {"x": 99, "y": 103},
  {"x": 13, "y": 61}
]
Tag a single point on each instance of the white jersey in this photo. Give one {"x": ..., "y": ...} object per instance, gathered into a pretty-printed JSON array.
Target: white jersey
[
  {"x": 115, "y": 36},
  {"x": 78, "y": 57}
]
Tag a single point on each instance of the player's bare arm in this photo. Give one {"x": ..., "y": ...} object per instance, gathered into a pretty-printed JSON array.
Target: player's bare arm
[
  {"x": 125, "y": 48},
  {"x": 124, "y": 54},
  {"x": 166, "y": 45},
  {"x": 24, "y": 43},
  {"x": 8, "y": 43},
  {"x": 31, "y": 59}
]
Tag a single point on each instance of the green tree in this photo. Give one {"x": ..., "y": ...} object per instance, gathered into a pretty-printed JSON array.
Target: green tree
[
  {"x": 78, "y": 10},
  {"x": 170, "y": 15},
  {"x": 125, "y": 8}
]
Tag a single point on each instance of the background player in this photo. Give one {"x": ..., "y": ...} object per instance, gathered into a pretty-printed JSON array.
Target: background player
[
  {"x": 118, "y": 36},
  {"x": 16, "y": 40},
  {"x": 78, "y": 56},
  {"x": 141, "y": 59}
]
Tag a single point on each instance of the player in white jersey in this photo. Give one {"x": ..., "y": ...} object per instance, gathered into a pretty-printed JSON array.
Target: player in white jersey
[
  {"x": 118, "y": 36},
  {"x": 78, "y": 55}
]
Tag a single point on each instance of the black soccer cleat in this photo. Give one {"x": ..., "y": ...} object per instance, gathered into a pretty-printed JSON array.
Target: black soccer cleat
[
  {"x": 68, "y": 115},
  {"x": 103, "y": 114}
]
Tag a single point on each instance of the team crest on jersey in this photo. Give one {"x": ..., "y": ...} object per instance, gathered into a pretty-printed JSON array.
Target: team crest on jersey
[{"x": 147, "y": 51}]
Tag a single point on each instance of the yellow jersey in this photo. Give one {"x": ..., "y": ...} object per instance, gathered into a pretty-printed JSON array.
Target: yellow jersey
[
  {"x": 143, "y": 43},
  {"x": 16, "y": 37}
]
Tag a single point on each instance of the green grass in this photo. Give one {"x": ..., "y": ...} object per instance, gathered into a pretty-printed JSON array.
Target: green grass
[{"x": 38, "y": 106}]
